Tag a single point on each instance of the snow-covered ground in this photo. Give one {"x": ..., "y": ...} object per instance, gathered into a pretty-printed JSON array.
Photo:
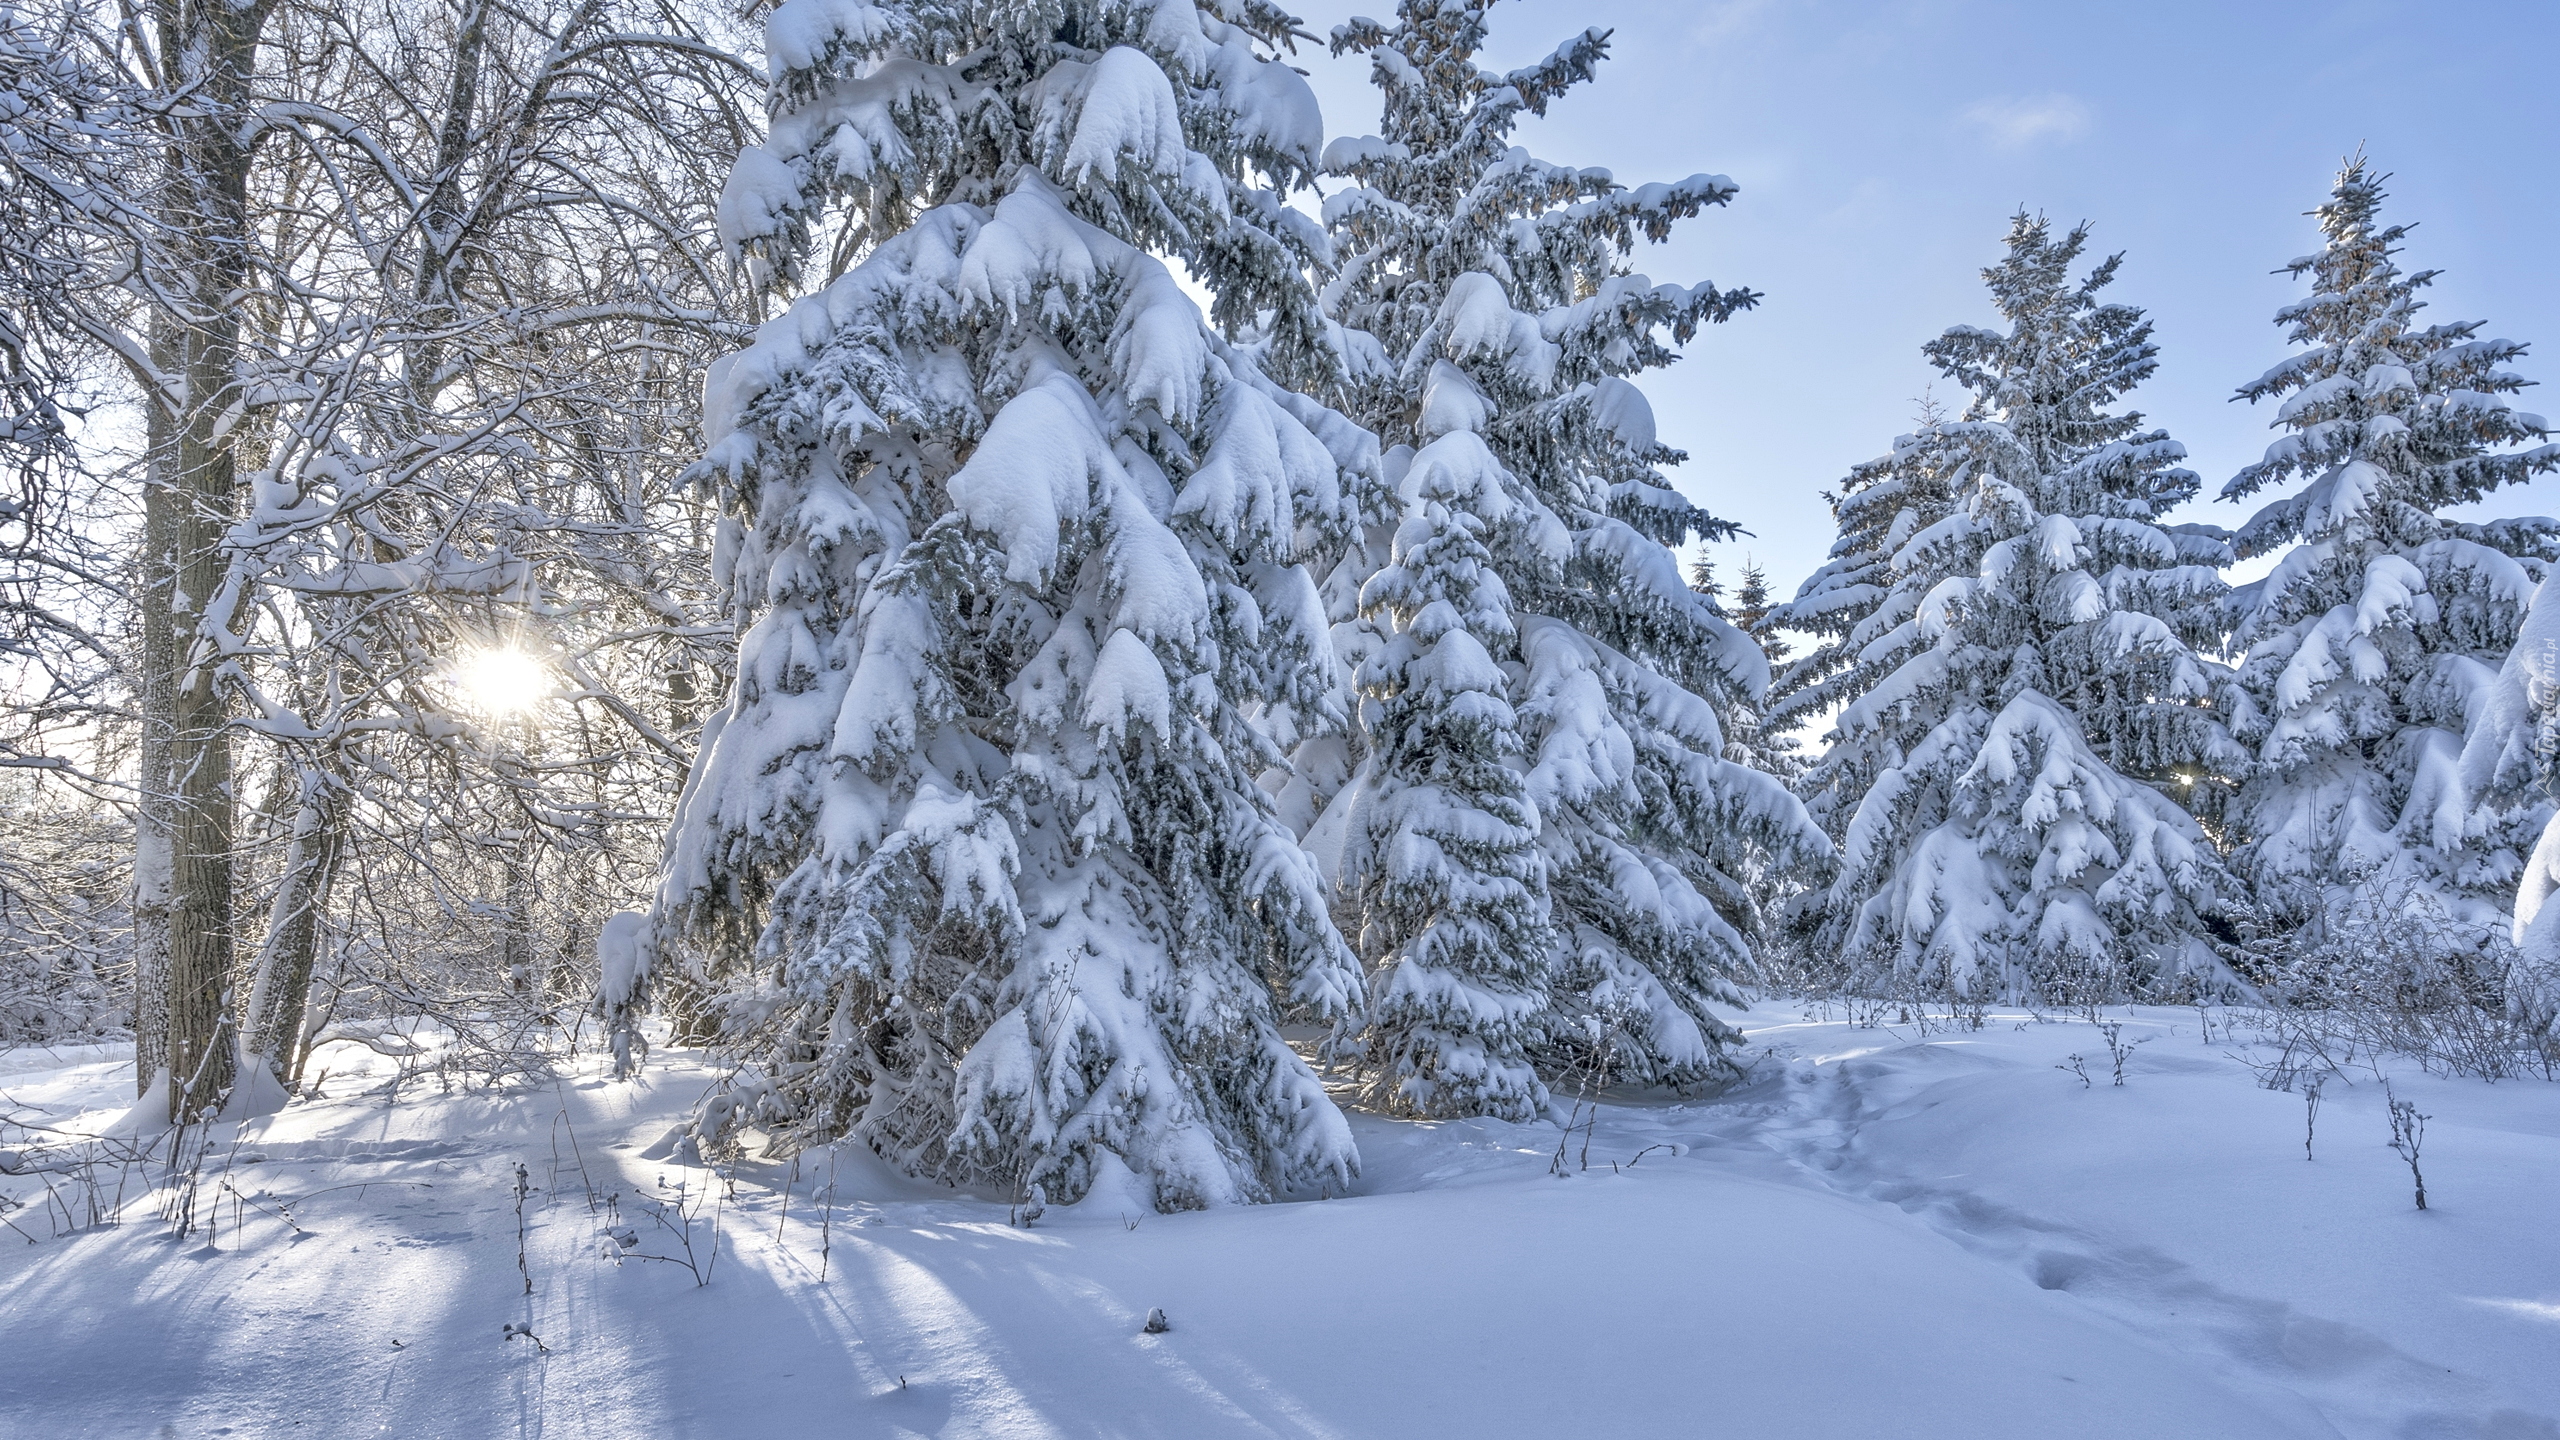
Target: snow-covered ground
[{"x": 1882, "y": 1234}]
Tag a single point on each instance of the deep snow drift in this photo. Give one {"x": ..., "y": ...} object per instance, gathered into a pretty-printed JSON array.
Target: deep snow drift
[{"x": 1880, "y": 1233}]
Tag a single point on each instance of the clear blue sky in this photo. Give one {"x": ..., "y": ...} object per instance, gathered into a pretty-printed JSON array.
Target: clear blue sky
[{"x": 1881, "y": 146}]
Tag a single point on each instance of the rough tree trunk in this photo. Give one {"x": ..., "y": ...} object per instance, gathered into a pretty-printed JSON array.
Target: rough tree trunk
[
  {"x": 271, "y": 1021},
  {"x": 154, "y": 831},
  {"x": 183, "y": 847}
]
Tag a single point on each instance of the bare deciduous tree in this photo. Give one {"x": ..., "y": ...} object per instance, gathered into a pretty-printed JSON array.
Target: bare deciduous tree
[{"x": 411, "y": 298}]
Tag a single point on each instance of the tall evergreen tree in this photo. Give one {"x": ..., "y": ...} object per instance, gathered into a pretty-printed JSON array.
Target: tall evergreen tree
[
  {"x": 1702, "y": 578},
  {"x": 2009, "y": 631},
  {"x": 1751, "y": 607},
  {"x": 1575, "y": 803},
  {"x": 1857, "y": 595},
  {"x": 1752, "y": 740},
  {"x": 2512, "y": 757},
  {"x": 2384, "y": 620},
  {"x": 1453, "y": 891},
  {"x": 977, "y": 836}
]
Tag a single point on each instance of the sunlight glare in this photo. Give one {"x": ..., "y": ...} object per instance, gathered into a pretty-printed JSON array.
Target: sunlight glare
[{"x": 502, "y": 682}]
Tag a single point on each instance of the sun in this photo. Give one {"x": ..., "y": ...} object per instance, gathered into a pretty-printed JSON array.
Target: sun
[{"x": 502, "y": 681}]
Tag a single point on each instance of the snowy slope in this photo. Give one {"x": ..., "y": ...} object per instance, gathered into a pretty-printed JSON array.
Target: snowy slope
[{"x": 1881, "y": 1234}]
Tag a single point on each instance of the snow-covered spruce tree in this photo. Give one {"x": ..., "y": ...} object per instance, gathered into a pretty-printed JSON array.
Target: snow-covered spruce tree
[
  {"x": 1997, "y": 781},
  {"x": 1552, "y": 859},
  {"x": 2512, "y": 754},
  {"x": 1749, "y": 737},
  {"x": 1451, "y": 879},
  {"x": 976, "y": 842},
  {"x": 1858, "y": 595},
  {"x": 2367, "y": 647},
  {"x": 1751, "y": 607}
]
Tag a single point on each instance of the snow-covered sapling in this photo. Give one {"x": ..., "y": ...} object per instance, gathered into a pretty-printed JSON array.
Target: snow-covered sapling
[
  {"x": 187, "y": 1146},
  {"x": 2120, "y": 1050},
  {"x": 683, "y": 1200},
  {"x": 1591, "y": 1075},
  {"x": 513, "y": 1331},
  {"x": 827, "y": 1216},
  {"x": 524, "y": 1187},
  {"x": 2311, "y": 1113},
  {"x": 562, "y": 1124},
  {"x": 784, "y": 1216},
  {"x": 2408, "y": 1132},
  {"x": 1156, "y": 1323},
  {"x": 2077, "y": 1065},
  {"x": 283, "y": 1210}
]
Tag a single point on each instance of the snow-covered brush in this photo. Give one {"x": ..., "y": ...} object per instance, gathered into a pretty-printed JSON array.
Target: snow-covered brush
[
  {"x": 1590, "y": 1074},
  {"x": 2120, "y": 1050},
  {"x": 65, "y": 917},
  {"x": 272, "y": 1206},
  {"x": 2385, "y": 969},
  {"x": 2408, "y": 1134},
  {"x": 524, "y": 1187},
  {"x": 98, "y": 1172},
  {"x": 683, "y": 1201}
]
